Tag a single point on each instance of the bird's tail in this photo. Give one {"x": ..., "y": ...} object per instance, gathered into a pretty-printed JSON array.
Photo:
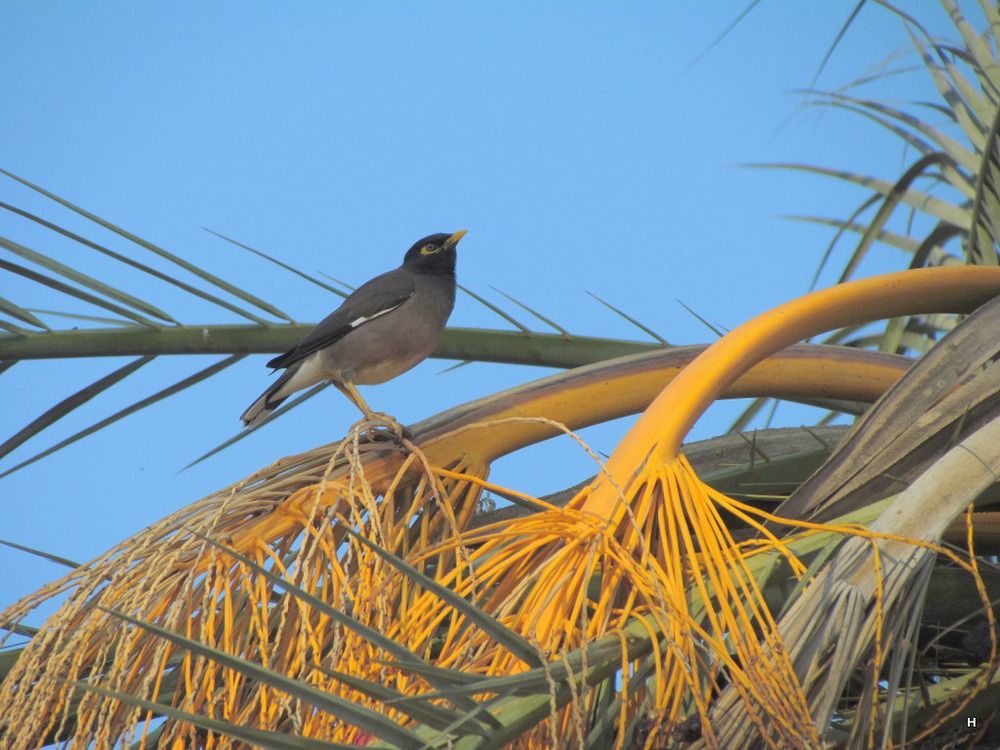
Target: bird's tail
[{"x": 268, "y": 401}]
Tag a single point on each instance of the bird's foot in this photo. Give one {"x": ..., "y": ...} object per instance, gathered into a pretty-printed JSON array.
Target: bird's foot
[{"x": 379, "y": 427}]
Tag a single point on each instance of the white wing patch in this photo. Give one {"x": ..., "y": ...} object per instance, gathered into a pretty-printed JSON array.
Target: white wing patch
[{"x": 361, "y": 320}]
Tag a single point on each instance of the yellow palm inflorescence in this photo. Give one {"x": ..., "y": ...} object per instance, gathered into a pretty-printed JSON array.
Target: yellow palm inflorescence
[{"x": 644, "y": 543}]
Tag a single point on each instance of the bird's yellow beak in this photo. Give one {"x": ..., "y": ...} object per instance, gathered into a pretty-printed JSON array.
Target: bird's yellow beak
[{"x": 453, "y": 240}]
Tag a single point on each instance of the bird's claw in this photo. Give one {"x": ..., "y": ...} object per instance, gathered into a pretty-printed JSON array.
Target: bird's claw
[{"x": 379, "y": 427}]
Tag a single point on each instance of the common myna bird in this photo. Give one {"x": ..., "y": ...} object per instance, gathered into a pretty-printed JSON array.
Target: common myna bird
[{"x": 385, "y": 327}]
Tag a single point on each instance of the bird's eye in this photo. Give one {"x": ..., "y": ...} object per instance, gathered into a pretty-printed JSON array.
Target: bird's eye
[{"x": 430, "y": 249}]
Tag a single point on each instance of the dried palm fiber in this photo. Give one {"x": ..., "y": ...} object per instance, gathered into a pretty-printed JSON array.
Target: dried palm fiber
[
  {"x": 932, "y": 440},
  {"x": 870, "y": 594},
  {"x": 281, "y": 518},
  {"x": 651, "y": 534},
  {"x": 947, "y": 395},
  {"x": 166, "y": 575}
]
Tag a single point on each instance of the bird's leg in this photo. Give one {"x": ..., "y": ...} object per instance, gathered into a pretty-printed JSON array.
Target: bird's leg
[
  {"x": 351, "y": 391},
  {"x": 375, "y": 418}
]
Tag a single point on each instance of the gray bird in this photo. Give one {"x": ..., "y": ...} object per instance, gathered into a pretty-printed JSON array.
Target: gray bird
[{"x": 385, "y": 327}]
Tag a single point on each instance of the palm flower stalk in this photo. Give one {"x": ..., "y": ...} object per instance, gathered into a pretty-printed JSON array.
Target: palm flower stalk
[{"x": 652, "y": 535}]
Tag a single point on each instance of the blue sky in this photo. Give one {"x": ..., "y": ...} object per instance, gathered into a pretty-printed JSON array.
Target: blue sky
[{"x": 585, "y": 146}]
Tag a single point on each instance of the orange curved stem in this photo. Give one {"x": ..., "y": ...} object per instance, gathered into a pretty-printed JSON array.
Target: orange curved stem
[{"x": 658, "y": 434}]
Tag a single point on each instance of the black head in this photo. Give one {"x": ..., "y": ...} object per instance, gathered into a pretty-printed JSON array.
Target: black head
[{"x": 434, "y": 254}]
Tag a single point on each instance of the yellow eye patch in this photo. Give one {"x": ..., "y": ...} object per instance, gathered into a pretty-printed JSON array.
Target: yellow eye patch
[{"x": 430, "y": 249}]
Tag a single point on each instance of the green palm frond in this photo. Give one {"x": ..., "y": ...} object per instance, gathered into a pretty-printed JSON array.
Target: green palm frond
[{"x": 945, "y": 207}]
